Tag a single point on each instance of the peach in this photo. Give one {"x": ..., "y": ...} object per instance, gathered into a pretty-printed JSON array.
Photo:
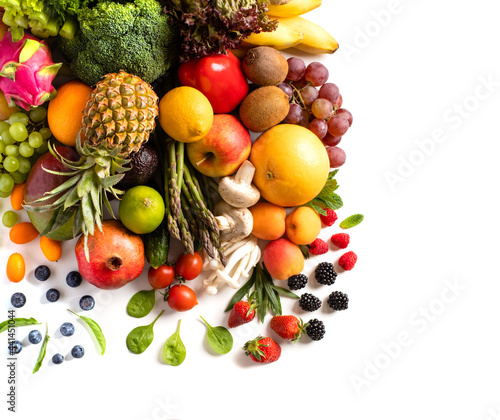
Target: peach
[
  {"x": 303, "y": 225},
  {"x": 283, "y": 259},
  {"x": 268, "y": 221}
]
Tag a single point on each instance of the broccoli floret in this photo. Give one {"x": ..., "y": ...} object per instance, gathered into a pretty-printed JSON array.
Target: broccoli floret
[{"x": 135, "y": 37}]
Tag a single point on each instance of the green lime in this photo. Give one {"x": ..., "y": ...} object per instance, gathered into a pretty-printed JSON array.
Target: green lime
[{"x": 141, "y": 209}]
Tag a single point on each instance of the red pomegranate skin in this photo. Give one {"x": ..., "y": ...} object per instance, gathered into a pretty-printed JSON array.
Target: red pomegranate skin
[{"x": 116, "y": 256}]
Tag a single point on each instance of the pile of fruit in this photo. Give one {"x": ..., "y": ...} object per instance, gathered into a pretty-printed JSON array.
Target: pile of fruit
[{"x": 181, "y": 126}]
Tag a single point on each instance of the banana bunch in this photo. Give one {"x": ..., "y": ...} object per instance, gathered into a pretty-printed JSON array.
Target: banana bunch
[{"x": 294, "y": 30}]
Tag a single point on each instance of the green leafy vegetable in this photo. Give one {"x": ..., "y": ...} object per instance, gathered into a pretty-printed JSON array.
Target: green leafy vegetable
[
  {"x": 43, "y": 350},
  {"x": 174, "y": 351},
  {"x": 327, "y": 198},
  {"x": 139, "y": 339},
  {"x": 17, "y": 322},
  {"x": 141, "y": 304},
  {"x": 219, "y": 338},
  {"x": 96, "y": 329},
  {"x": 352, "y": 221}
]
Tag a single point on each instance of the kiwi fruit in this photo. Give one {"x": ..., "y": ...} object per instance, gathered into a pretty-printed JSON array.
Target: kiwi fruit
[
  {"x": 265, "y": 66},
  {"x": 263, "y": 108}
]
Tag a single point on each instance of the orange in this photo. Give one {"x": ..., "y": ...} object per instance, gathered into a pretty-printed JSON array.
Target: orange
[
  {"x": 291, "y": 165},
  {"x": 268, "y": 221},
  {"x": 64, "y": 113}
]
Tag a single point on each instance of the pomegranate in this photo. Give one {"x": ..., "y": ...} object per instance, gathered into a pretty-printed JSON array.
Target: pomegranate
[{"x": 116, "y": 256}]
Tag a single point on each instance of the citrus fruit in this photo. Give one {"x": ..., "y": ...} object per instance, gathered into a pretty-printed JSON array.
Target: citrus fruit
[
  {"x": 64, "y": 113},
  {"x": 291, "y": 165},
  {"x": 141, "y": 209},
  {"x": 185, "y": 114}
]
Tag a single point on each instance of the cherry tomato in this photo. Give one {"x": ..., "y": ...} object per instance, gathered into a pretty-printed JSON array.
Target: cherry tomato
[
  {"x": 161, "y": 277},
  {"x": 189, "y": 266},
  {"x": 181, "y": 298}
]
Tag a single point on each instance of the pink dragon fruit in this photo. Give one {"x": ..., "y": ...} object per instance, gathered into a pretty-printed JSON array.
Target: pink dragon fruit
[{"x": 26, "y": 71}]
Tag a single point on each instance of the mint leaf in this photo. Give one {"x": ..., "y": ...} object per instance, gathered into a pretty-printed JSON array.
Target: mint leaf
[{"x": 352, "y": 221}]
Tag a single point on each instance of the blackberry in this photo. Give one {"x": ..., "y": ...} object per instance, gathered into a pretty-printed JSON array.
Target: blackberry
[
  {"x": 297, "y": 282},
  {"x": 18, "y": 300},
  {"x": 315, "y": 329},
  {"x": 325, "y": 273},
  {"x": 338, "y": 301},
  {"x": 74, "y": 279},
  {"x": 309, "y": 302},
  {"x": 42, "y": 272}
]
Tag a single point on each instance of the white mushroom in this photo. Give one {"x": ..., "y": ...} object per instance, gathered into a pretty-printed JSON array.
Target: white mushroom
[
  {"x": 234, "y": 223},
  {"x": 238, "y": 190}
]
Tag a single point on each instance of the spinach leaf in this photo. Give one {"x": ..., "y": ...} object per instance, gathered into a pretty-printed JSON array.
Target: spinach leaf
[
  {"x": 139, "y": 339},
  {"x": 174, "y": 351},
  {"x": 43, "y": 350},
  {"x": 219, "y": 338},
  {"x": 96, "y": 329},
  {"x": 141, "y": 304},
  {"x": 17, "y": 322}
]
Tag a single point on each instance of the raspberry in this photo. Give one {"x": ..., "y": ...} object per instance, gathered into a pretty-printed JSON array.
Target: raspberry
[
  {"x": 330, "y": 217},
  {"x": 318, "y": 247},
  {"x": 348, "y": 260},
  {"x": 340, "y": 240}
]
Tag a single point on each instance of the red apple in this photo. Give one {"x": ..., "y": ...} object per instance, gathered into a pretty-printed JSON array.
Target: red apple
[{"x": 226, "y": 146}]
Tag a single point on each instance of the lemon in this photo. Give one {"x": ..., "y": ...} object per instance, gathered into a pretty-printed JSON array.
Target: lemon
[
  {"x": 185, "y": 114},
  {"x": 141, "y": 209},
  {"x": 291, "y": 165}
]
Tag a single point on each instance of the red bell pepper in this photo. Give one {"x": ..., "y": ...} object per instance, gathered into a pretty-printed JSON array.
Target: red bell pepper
[{"x": 219, "y": 77}]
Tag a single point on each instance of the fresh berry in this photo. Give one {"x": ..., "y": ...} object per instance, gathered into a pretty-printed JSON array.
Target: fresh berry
[
  {"x": 67, "y": 329},
  {"x": 241, "y": 313},
  {"x": 318, "y": 247},
  {"x": 35, "y": 337},
  {"x": 297, "y": 282},
  {"x": 52, "y": 295},
  {"x": 288, "y": 327},
  {"x": 57, "y": 358},
  {"x": 325, "y": 273},
  {"x": 15, "y": 347},
  {"x": 42, "y": 272},
  {"x": 348, "y": 260},
  {"x": 262, "y": 350},
  {"x": 77, "y": 352},
  {"x": 340, "y": 240},
  {"x": 330, "y": 218},
  {"x": 87, "y": 302},
  {"x": 18, "y": 300},
  {"x": 74, "y": 279},
  {"x": 309, "y": 302},
  {"x": 338, "y": 301},
  {"x": 315, "y": 329}
]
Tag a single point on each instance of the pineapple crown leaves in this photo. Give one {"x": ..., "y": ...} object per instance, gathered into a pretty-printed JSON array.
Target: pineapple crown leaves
[{"x": 327, "y": 198}]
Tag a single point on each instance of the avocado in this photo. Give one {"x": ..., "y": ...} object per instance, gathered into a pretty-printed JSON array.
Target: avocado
[{"x": 143, "y": 165}]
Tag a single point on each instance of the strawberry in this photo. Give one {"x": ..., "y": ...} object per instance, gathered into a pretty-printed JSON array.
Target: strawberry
[
  {"x": 288, "y": 327},
  {"x": 262, "y": 349},
  {"x": 241, "y": 313}
]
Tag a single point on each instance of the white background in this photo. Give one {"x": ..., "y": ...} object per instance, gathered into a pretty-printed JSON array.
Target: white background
[{"x": 420, "y": 338}]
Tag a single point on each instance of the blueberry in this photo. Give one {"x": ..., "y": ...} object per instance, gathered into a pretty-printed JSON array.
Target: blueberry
[
  {"x": 74, "y": 279},
  {"x": 57, "y": 358},
  {"x": 87, "y": 302},
  {"x": 52, "y": 295},
  {"x": 35, "y": 337},
  {"x": 77, "y": 352},
  {"x": 15, "y": 347},
  {"x": 42, "y": 272},
  {"x": 18, "y": 300},
  {"x": 67, "y": 329}
]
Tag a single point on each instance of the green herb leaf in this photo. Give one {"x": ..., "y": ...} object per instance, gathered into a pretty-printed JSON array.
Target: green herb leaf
[
  {"x": 43, "y": 350},
  {"x": 352, "y": 221},
  {"x": 174, "y": 351},
  {"x": 96, "y": 329},
  {"x": 17, "y": 322},
  {"x": 327, "y": 198},
  {"x": 242, "y": 291},
  {"x": 141, "y": 304},
  {"x": 139, "y": 339},
  {"x": 305, "y": 250},
  {"x": 219, "y": 338},
  {"x": 285, "y": 292}
]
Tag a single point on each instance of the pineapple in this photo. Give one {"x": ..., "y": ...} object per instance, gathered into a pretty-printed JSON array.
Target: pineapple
[{"x": 117, "y": 121}]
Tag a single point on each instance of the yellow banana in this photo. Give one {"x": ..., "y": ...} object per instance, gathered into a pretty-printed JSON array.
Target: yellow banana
[
  {"x": 316, "y": 40},
  {"x": 283, "y": 37},
  {"x": 293, "y": 8}
]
